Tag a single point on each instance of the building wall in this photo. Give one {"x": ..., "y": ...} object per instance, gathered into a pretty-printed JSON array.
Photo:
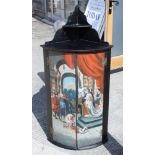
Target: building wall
[
  {"x": 117, "y": 39},
  {"x": 69, "y": 7},
  {"x": 38, "y": 7},
  {"x": 57, "y": 7}
]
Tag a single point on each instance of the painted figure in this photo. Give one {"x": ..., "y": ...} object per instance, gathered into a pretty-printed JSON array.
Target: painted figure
[
  {"x": 63, "y": 103},
  {"x": 88, "y": 102},
  {"x": 70, "y": 123},
  {"x": 55, "y": 104},
  {"x": 97, "y": 100}
]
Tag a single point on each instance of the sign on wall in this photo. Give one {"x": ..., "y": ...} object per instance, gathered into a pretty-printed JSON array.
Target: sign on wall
[{"x": 95, "y": 13}]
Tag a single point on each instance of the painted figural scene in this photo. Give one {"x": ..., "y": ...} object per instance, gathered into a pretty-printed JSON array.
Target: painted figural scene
[{"x": 89, "y": 72}]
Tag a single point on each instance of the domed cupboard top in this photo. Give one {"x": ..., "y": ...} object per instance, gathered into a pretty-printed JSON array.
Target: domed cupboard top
[{"x": 77, "y": 36}]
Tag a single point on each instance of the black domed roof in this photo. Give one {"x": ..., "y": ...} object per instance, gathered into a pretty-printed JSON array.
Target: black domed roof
[{"x": 77, "y": 35}]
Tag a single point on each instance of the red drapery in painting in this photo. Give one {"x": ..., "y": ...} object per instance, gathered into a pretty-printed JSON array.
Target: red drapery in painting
[{"x": 90, "y": 65}]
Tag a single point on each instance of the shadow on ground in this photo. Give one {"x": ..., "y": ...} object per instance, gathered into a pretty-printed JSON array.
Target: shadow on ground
[{"x": 39, "y": 110}]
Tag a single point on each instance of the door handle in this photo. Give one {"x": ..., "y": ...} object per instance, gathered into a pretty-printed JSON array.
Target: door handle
[{"x": 111, "y": 2}]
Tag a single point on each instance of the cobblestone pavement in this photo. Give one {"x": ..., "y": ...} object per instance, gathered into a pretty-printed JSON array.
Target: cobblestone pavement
[{"x": 40, "y": 145}]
